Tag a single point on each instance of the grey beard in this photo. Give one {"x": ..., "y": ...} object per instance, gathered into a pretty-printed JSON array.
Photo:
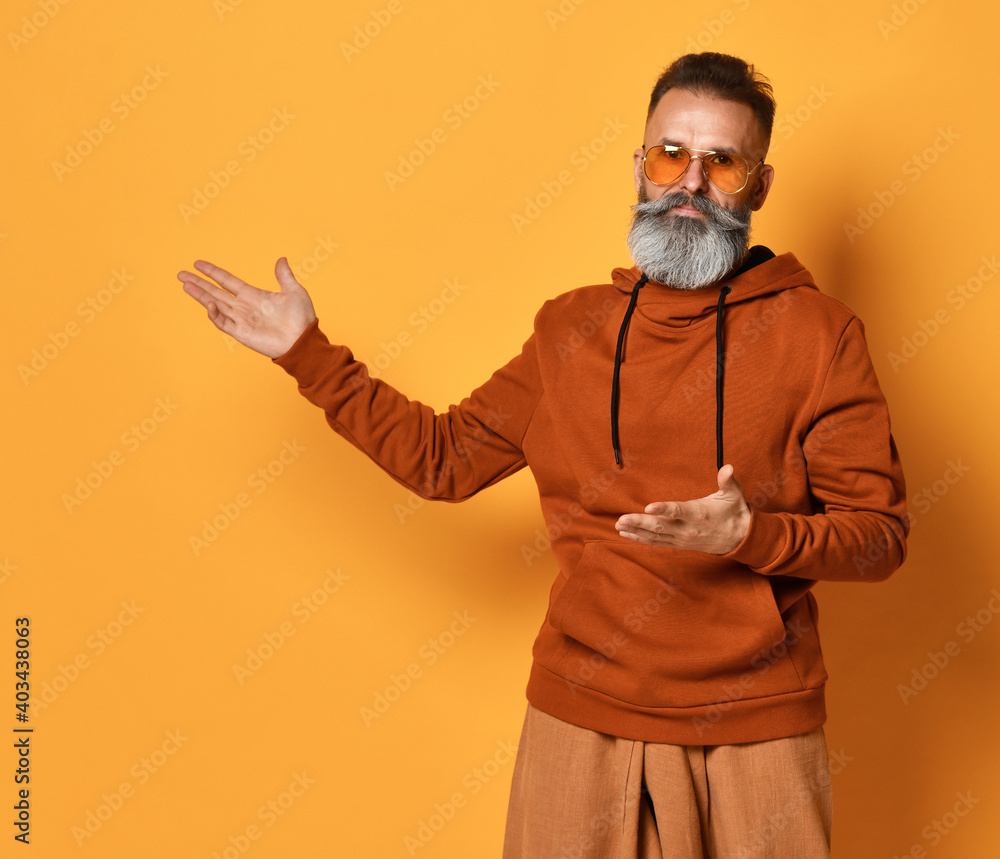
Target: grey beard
[{"x": 687, "y": 252}]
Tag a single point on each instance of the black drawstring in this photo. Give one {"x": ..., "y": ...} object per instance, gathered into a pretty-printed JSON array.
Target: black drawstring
[
  {"x": 720, "y": 367},
  {"x": 618, "y": 366}
]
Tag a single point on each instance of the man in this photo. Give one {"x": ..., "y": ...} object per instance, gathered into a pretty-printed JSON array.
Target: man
[{"x": 676, "y": 696}]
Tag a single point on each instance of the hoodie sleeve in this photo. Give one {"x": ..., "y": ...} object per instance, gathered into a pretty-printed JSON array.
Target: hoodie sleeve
[
  {"x": 448, "y": 456},
  {"x": 855, "y": 479}
]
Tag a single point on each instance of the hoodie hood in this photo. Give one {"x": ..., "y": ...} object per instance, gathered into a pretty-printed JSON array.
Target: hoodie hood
[{"x": 763, "y": 273}]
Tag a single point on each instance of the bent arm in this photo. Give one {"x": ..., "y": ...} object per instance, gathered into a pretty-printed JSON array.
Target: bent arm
[{"x": 859, "y": 530}]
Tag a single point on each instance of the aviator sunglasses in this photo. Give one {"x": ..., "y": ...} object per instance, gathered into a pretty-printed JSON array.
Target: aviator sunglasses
[{"x": 665, "y": 164}]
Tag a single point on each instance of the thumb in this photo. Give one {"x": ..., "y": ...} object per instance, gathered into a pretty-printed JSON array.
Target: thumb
[
  {"x": 727, "y": 482},
  {"x": 286, "y": 280}
]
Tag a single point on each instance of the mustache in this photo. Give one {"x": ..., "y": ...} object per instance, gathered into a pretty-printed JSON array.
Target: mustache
[{"x": 720, "y": 216}]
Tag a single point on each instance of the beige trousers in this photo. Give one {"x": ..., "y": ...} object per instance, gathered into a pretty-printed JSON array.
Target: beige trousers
[{"x": 579, "y": 794}]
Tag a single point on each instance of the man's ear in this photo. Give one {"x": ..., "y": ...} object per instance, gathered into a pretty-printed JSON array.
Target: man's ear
[
  {"x": 763, "y": 177},
  {"x": 640, "y": 177}
]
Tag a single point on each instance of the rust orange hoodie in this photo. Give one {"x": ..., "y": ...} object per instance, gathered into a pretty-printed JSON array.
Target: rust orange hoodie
[{"x": 654, "y": 643}]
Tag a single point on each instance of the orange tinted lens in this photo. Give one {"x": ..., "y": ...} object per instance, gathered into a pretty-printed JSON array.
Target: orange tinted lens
[
  {"x": 727, "y": 172},
  {"x": 665, "y": 166}
]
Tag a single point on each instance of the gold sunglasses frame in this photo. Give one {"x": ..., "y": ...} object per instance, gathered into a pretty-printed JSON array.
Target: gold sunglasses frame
[{"x": 691, "y": 158}]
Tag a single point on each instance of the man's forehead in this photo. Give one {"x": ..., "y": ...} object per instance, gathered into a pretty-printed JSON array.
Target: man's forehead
[{"x": 687, "y": 118}]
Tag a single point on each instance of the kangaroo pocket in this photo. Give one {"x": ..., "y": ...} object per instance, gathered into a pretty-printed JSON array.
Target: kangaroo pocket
[{"x": 662, "y": 628}]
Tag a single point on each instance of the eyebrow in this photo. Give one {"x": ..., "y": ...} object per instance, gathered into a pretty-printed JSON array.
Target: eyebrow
[{"x": 725, "y": 150}]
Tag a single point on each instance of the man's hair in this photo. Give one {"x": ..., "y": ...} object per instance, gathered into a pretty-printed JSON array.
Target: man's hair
[{"x": 719, "y": 76}]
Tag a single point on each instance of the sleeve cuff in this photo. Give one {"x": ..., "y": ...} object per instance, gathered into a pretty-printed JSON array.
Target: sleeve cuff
[
  {"x": 761, "y": 546},
  {"x": 308, "y": 356}
]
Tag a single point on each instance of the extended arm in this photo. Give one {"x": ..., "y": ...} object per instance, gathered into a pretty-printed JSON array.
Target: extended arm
[
  {"x": 858, "y": 532},
  {"x": 450, "y": 456}
]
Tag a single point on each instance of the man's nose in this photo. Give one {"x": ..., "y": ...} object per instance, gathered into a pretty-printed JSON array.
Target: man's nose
[{"x": 694, "y": 179}]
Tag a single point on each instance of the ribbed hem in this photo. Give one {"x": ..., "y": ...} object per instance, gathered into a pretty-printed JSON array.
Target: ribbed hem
[
  {"x": 743, "y": 721},
  {"x": 307, "y": 355}
]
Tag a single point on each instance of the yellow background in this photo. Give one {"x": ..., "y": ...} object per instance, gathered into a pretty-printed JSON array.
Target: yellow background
[{"x": 872, "y": 97}]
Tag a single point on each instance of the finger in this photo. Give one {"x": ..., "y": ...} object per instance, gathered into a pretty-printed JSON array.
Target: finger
[
  {"x": 191, "y": 277},
  {"x": 191, "y": 288},
  {"x": 638, "y": 523},
  {"x": 627, "y": 523},
  {"x": 229, "y": 281},
  {"x": 204, "y": 292},
  {"x": 283, "y": 273},
  {"x": 219, "y": 310},
  {"x": 218, "y": 317},
  {"x": 646, "y": 537}
]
